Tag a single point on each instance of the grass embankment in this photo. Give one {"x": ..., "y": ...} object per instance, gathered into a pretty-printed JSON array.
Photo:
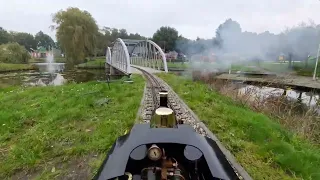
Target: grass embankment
[
  {"x": 93, "y": 64},
  {"x": 42, "y": 60},
  {"x": 5, "y": 67},
  {"x": 63, "y": 131},
  {"x": 262, "y": 146},
  {"x": 178, "y": 65},
  {"x": 262, "y": 66},
  {"x": 299, "y": 68}
]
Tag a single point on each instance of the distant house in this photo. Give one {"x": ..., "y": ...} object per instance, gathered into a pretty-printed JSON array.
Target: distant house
[
  {"x": 172, "y": 55},
  {"x": 282, "y": 57},
  {"x": 41, "y": 52}
]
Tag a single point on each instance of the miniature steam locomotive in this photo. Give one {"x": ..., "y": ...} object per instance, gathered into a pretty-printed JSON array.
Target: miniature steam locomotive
[{"x": 164, "y": 150}]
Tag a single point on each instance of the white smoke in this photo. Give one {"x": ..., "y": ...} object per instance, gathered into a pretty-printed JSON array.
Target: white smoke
[{"x": 233, "y": 46}]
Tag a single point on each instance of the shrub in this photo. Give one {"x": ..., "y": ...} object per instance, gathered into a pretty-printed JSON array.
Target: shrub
[{"x": 13, "y": 53}]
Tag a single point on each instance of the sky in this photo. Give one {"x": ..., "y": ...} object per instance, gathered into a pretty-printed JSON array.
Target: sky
[{"x": 192, "y": 18}]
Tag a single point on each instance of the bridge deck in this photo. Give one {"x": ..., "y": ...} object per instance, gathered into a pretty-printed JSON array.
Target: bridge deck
[{"x": 150, "y": 70}]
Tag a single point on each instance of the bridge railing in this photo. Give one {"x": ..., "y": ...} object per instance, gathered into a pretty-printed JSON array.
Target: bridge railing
[
  {"x": 148, "y": 54},
  {"x": 120, "y": 58},
  {"x": 108, "y": 55}
]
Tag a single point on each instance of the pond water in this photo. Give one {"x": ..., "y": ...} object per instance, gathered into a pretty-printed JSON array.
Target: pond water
[
  {"x": 254, "y": 93},
  {"x": 58, "y": 75},
  {"x": 265, "y": 92}
]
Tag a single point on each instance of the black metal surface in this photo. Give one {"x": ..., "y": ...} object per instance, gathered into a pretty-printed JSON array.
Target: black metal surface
[
  {"x": 116, "y": 161},
  {"x": 258, "y": 74},
  {"x": 164, "y": 99}
]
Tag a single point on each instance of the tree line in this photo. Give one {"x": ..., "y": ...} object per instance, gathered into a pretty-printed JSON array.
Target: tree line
[
  {"x": 229, "y": 38},
  {"x": 295, "y": 43},
  {"x": 27, "y": 40},
  {"x": 15, "y": 46},
  {"x": 79, "y": 36}
]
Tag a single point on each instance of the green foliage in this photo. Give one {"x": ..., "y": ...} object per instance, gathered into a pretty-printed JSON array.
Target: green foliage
[
  {"x": 166, "y": 38},
  {"x": 4, "y": 36},
  {"x": 13, "y": 53},
  {"x": 56, "y": 125},
  {"x": 227, "y": 30},
  {"x": 261, "y": 145},
  {"x": 76, "y": 32},
  {"x": 107, "y": 35},
  {"x": 25, "y": 39},
  {"x": 93, "y": 64},
  {"x": 44, "y": 40},
  {"x": 4, "y": 67}
]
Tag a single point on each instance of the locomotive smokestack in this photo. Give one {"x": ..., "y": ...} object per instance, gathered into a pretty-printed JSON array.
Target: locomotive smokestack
[
  {"x": 163, "y": 98},
  {"x": 164, "y": 116}
]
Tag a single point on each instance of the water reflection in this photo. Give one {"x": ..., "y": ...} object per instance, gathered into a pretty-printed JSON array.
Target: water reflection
[
  {"x": 38, "y": 78},
  {"x": 51, "y": 67},
  {"x": 261, "y": 93}
]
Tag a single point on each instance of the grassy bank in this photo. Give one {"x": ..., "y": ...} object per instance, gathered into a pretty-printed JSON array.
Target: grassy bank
[
  {"x": 299, "y": 68},
  {"x": 42, "y": 60},
  {"x": 93, "y": 64},
  {"x": 63, "y": 131},
  {"x": 263, "y": 147},
  {"x": 5, "y": 67},
  {"x": 179, "y": 65}
]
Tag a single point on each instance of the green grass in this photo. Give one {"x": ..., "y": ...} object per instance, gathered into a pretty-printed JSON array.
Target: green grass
[
  {"x": 15, "y": 67},
  {"x": 177, "y": 65},
  {"x": 241, "y": 68},
  {"x": 40, "y": 60},
  {"x": 97, "y": 63},
  {"x": 264, "y": 148},
  {"x": 299, "y": 68},
  {"x": 44, "y": 127}
]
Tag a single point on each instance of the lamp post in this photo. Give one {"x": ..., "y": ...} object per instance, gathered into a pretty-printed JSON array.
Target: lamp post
[{"x": 316, "y": 66}]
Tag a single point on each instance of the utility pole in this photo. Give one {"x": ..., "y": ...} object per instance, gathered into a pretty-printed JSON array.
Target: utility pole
[{"x": 316, "y": 66}]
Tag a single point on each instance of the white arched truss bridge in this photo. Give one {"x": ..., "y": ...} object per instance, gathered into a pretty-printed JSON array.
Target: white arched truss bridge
[{"x": 143, "y": 53}]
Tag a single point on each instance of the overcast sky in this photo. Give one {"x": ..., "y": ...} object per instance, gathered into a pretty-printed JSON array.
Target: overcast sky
[{"x": 191, "y": 18}]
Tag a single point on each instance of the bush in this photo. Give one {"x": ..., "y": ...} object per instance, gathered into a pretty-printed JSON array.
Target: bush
[{"x": 13, "y": 53}]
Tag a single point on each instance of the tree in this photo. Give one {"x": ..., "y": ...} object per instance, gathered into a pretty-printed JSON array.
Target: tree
[
  {"x": 228, "y": 34},
  {"x": 114, "y": 34},
  {"x": 76, "y": 32},
  {"x": 182, "y": 45},
  {"x": 13, "y": 53},
  {"x": 101, "y": 44},
  {"x": 166, "y": 38},
  {"x": 123, "y": 34},
  {"x": 44, "y": 40},
  {"x": 25, "y": 39},
  {"x": 4, "y": 36}
]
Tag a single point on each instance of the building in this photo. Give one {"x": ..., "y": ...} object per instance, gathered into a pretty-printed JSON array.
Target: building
[{"x": 41, "y": 52}]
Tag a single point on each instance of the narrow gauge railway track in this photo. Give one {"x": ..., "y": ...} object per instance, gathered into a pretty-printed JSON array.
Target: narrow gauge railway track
[
  {"x": 184, "y": 115},
  {"x": 154, "y": 86}
]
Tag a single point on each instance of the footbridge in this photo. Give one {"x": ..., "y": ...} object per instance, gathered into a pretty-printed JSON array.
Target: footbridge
[{"x": 126, "y": 54}]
